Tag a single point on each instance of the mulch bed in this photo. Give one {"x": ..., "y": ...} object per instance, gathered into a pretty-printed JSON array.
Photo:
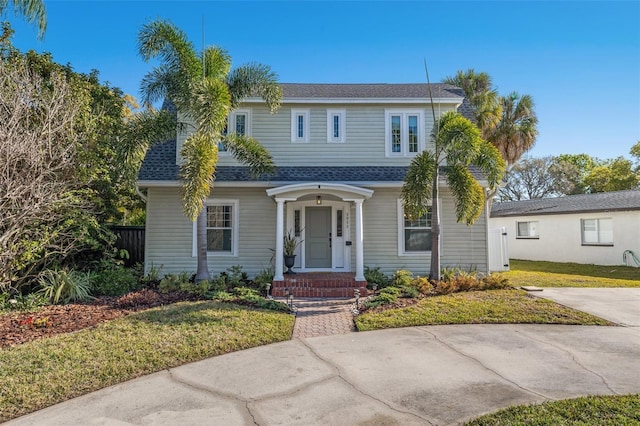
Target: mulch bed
[{"x": 20, "y": 327}]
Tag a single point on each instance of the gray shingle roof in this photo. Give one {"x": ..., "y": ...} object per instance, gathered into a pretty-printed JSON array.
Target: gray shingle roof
[
  {"x": 600, "y": 202},
  {"x": 381, "y": 90},
  {"x": 160, "y": 165}
]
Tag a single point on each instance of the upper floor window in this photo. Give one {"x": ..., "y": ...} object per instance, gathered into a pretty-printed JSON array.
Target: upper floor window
[
  {"x": 238, "y": 122},
  {"x": 414, "y": 233},
  {"x": 597, "y": 231},
  {"x": 299, "y": 125},
  {"x": 403, "y": 132},
  {"x": 336, "y": 125},
  {"x": 527, "y": 229}
]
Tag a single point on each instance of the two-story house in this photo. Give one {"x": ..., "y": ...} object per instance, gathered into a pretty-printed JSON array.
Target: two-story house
[{"x": 341, "y": 151}]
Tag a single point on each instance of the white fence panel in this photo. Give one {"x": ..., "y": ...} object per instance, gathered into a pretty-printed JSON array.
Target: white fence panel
[{"x": 498, "y": 250}]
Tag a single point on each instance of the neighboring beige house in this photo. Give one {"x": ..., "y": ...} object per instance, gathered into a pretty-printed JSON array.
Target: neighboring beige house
[
  {"x": 587, "y": 228},
  {"x": 341, "y": 151}
]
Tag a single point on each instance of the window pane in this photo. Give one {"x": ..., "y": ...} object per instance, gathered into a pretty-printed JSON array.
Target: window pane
[
  {"x": 218, "y": 239},
  {"x": 396, "y": 144},
  {"x": 417, "y": 240},
  {"x": 221, "y": 146},
  {"x": 336, "y": 126},
  {"x": 605, "y": 228},
  {"x": 241, "y": 124},
  {"x": 523, "y": 229},
  {"x": 413, "y": 133},
  {"x": 338, "y": 223},
  {"x": 589, "y": 231},
  {"x": 300, "y": 126},
  {"x": 296, "y": 215}
]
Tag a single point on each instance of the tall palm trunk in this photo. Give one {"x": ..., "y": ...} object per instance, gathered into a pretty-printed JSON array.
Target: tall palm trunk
[
  {"x": 434, "y": 272},
  {"x": 202, "y": 273}
]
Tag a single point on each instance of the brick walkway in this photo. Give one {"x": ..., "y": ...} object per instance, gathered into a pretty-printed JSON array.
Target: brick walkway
[{"x": 322, "y": 317}]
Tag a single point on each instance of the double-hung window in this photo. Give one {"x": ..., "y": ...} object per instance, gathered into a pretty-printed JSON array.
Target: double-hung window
[
  {"x": 403, "y": 132},
  {"x": 527, "y": 229},
  {"x": 597, "y": 231},
  {"x": 336, "y": 125},
  {"x": 300, "y": 125},
  {"x": 222, "y": 228},
  {"x": 239, "y": 123},
  {"x": 414, "y": 233}
]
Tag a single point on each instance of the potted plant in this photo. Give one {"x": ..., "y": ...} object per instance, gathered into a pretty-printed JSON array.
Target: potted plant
[{"x": 290, "y": 245}]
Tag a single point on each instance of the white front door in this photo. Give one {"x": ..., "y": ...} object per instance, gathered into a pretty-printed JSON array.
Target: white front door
[{"x": 324, "y": 233}]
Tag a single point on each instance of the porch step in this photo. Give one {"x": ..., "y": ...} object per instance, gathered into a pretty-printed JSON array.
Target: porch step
[{"x": 319, "y": 284}]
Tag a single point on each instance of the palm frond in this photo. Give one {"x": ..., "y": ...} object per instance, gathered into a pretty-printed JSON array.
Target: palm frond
[
  {"x": 249, "y": 151},
  {"x": 459, "y": 138},
  {"x": 34, "y": 11},
  {"x": 161, "y": 39},
  {"x": 490, "y": 161},
  {"x": 217, "y": 62},
  {"x": 200, "y": 153},
  {"x": 468, "y": 195},
  {"x": 418, "y": 183},
  {"x": 156, "y": 84},
  {"x": 255, "y": 79},
  {"x": 209, "y": 105}
]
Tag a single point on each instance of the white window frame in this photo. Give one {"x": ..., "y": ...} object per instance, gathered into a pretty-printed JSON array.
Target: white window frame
[
  {"x": 295, "y": 113},
  {"x": 597, "y": 221},
  {"x": 404, "y": 131},
  {"x": 341, "y": 114},
  {"x": 529, "y": 236},
  {"x": 401, "y": 228},
  {"x": 235, "y": 237},
  {"x": 231, "y": 126}
]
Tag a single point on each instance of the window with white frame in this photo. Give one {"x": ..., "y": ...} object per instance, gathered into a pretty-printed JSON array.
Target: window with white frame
[
  {"x": 239, "y": 123},
  {"x": 336, "y": 125},
  {"x": 597, "y": 231},
  {"x": 414, "y": 233},
  {"x": 299, "y": 125},
  {"x": 527, "y": 229},
  {"x": 403, "y": 132},
  {"x": 222, "y": 228}
]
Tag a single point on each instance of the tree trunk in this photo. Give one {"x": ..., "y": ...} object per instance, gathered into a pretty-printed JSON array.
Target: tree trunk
[
  {"x": 434, "y": 273},
  {"x": 201, "y": 242}
]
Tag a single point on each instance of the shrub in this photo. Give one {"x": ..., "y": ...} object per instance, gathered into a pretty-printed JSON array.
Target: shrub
[
  {"x": 66, "y": 286},
  {"x": 445, "y": 287},
  {"x": 22, "y": 303},
  {"x": 422, "y": 284},
  {"x": 386, "y": 296},
  {"x": 374, "y": 276},
  {"x": 466, "y": 282},
  {"x": 173, "y": 282},
  {"x": 401, "y": 277},
  {"x": 114, "y": 280},
  {"x": 263, "y": 278},
  {"x": 495, "y": 282}
]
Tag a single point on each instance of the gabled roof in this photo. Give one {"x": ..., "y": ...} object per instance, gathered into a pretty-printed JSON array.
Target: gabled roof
[
  {"x": 583, "y": 203},
  {"x": 160, "y": 166},
  {"x": 369, "y": 91}
]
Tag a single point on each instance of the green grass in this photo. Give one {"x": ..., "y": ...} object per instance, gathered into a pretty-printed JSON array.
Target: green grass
[
  {"x": 590, "y": 410},
  {"x": 48, "y": 371},
  {"x": 551, "y": 274},
  {"x": 477, "y": 307}
]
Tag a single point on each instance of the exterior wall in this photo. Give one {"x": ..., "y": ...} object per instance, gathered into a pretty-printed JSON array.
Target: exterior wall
[
  {"x": 560, "y": 238},
  {"x": 169, "y": 235},
  {"x": 365, "y": 135}
]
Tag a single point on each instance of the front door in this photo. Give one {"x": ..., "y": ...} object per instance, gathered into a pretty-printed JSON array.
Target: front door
[{"x": 318, "y": 237}]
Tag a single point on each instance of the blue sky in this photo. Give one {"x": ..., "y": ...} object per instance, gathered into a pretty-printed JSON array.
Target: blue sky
[{"x": 580, "y": 60}]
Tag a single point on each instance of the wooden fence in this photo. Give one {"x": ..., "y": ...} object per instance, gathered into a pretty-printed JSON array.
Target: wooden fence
[{"x": 130, "y": 238}]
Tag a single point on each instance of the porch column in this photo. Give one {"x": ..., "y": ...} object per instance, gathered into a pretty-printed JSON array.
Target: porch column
[
  {"x": 278, "y": 276},
  {"x": 359, "y": 242}
]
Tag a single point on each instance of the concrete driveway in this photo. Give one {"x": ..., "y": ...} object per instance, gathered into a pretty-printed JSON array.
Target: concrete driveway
[
  {"x": 619, "y": 305},
  {"x": 422, "y": 375}
]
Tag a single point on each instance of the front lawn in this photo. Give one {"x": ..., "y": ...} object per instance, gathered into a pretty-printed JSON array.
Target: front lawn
[
  {"x": 591, "y": 410},
  {"x": 551, "y": 274},
  {"x": 477, "y": 307},
  {"x": 44, "y": 372}
]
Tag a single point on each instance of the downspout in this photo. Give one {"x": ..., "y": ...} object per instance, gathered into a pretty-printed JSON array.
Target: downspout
[
  {"x": 140, "y": 194},
  {"x": 490, "y": 194}
]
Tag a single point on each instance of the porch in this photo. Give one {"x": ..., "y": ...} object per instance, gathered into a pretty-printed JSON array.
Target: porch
[{"x": 319, "y": 284}]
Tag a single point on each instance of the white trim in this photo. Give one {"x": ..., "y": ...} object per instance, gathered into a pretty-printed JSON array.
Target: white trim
[
  {"x": 340, "y": 190},
  {"x": 235, "y": 228},
  {"x": 273, "y": 184},
  {"x": 401, "y": 251},
  {"x": 422, "y": 101},
  {"x": 305, "y": 114},
  {"x": 342, "y": 116},
  {"x": 404, "y": 131}
]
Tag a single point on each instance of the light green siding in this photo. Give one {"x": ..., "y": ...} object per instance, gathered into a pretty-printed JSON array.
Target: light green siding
[
  {"x": 169, "y": 235},
  {"x": 365, "y": 135}
]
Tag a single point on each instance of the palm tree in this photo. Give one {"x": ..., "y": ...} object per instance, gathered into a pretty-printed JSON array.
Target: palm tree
[
  {"x": 483, "y": 98},
  {"x": 517, "y": 129},
  {"x": 457, "y": 144},
  {"x": 33, "y": 10},
  {"x": 204, "y": 90}
]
